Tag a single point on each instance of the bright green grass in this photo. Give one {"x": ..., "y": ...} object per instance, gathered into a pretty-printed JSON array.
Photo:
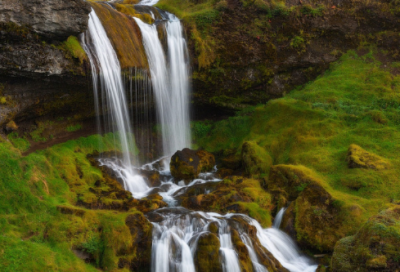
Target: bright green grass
[
  {"x": 356, "y": 101},
  {"x": 35, "y": 236}
]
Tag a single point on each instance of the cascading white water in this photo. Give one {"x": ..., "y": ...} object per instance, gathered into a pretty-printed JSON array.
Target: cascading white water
[
  {"x": 175, "y": 243},
  {"x": 169, "y": 76},
  {"x": 107, "y": 70}
]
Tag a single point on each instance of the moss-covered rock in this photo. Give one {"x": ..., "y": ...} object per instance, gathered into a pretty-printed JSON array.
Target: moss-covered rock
[
  {"x": 255, "y": 159},
  {"x": 286, "y": 182},
  {"x": 375, "y": 247},
  {"x": 207, "y": 257},
  {"x": 124, "y": 34},
  {"x": 315, "y": 218},
  {"x": 236, "y": 194},
  {"x": 360, "y": 158},
  {"x": 188, "y": 164}
]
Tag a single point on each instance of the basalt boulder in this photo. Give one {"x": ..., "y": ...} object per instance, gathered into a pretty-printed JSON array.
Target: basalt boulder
[{"x": 188, "y": 164}]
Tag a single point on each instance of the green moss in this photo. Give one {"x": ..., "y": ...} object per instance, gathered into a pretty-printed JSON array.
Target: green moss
[
  {"x": 255, "y": 159},
  {"x": 20, "y": 143},
  {"x": 73, "y": 46},
  {"x": 73, "y": 128},
  {"x": 38, "y": 194}
]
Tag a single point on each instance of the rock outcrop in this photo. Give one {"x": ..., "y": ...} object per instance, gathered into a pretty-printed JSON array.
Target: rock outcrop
[
  {"x": 188, "y": 164},
  {"x": 52, "y": 19},
  {"x": 42, "y": 71}
]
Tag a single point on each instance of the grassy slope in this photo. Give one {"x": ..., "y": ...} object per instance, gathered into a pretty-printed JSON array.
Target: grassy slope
[
  {"x": 356, "y": 101},
  {"x": 35, "y": 236}
]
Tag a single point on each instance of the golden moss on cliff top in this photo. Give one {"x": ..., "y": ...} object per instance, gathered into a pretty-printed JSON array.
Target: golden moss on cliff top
[{"x": 124, "y": 34}]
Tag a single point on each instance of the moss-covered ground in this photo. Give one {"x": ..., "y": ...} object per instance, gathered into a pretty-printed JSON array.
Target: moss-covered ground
[
  {"x": 357, "y": 101},
  {"x": 41, "y": 221}
]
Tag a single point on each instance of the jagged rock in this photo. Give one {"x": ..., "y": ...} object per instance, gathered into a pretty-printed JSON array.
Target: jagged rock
[
  {"x": 255, "y": 159},
  {"x": 360, "y": 158},
  {"x": 188, "y": 164},
  {"x": 51, "y": 18},
  {"x": 375, "y": 247}
]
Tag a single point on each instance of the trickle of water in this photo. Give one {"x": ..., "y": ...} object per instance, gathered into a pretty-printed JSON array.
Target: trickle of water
[
  {"x": 278, "y": 218},
  {"x": 106, "y": 70},
  {"x": 170, "y": 81}
]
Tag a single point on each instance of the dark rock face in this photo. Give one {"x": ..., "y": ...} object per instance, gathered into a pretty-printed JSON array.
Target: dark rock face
[
  {"x": 53, "y": 19},
  {"x": 38, "y": 78}
]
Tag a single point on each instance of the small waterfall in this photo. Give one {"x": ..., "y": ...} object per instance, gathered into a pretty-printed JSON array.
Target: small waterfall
[
  {"x": 106, "y": 70},
  {"x": 278, "y": 218},
  {"x": 169, "y": 76}
]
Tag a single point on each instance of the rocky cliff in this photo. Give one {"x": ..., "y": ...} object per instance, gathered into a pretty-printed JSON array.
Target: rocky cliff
[{"x": 42, "y": 66}]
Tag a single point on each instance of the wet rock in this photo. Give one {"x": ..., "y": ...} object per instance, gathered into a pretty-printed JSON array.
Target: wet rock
[
  {"x": 153, "y": 177},
  {"x": 188, "y": 164},
  {"x": 50, "y": 18},
  {"x": 236, "y": 194},
  {"x": 207, "y": 257},
  {"x": 149, "y": 203},
  {"x": 375, "y": 247},
  {"x": 314, "y": 217},
  {"x": 360, "y": 158},
  {"x": 255, "y": 159}
]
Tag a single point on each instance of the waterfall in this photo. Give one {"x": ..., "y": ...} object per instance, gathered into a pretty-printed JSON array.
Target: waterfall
[
  {"x": 170, "y": 80},
  {"x": 177, "y": 230},
  {"x": 106, "y": 70}
]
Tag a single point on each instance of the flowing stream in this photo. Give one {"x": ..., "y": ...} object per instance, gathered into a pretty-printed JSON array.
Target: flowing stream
[{"x": 177, "y": 231}]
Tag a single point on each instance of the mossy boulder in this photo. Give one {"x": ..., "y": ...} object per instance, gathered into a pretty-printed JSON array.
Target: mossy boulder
[
  {"x": 188, "y": 164},
  {"x": 375, "y": 247},
  {"x": 236, "y": 194},
  {"x": 255, "y": 159},
  {"x": 286, "y": 182},
  {"x": 207, "y": 257},
  {"x": 360, "y": 158},
  {"x": 315, "y": 218}
]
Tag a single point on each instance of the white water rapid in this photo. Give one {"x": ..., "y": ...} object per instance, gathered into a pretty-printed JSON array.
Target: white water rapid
[
  {"x": 106, "y": 70},
  {"x": 170, "y": 81}
]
